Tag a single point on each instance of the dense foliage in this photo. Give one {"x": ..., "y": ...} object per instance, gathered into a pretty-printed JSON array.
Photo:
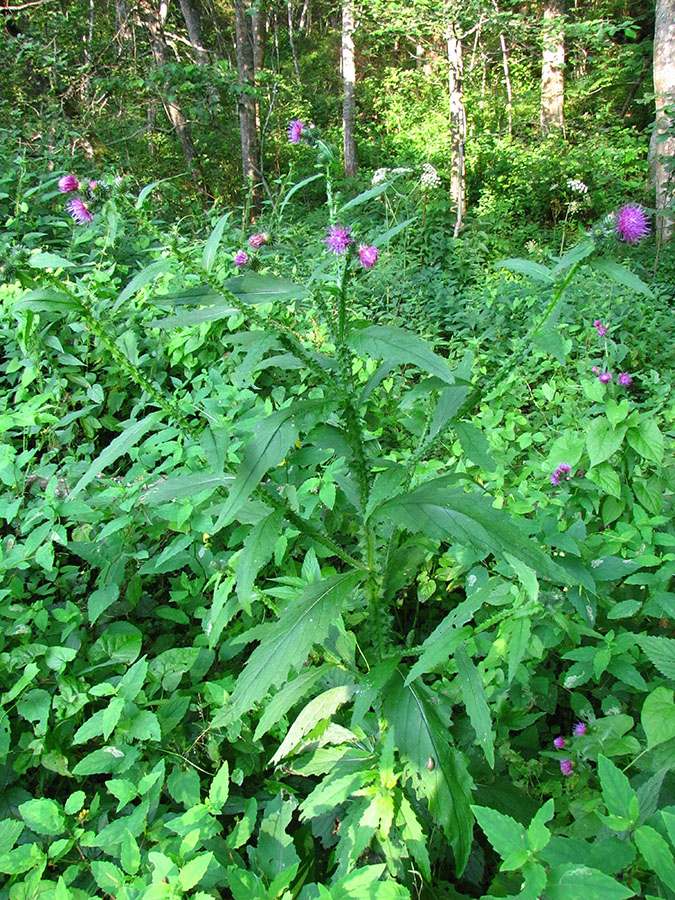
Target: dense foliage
[{"x": 337, "y": 548}]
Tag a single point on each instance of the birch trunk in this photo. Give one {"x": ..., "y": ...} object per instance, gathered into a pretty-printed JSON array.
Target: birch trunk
[
  {"x": 457, "y": 126},
  {"x": 662, "y": 144},
  {"x": 349, "y": 89},
  {"x": 552, "y": 67}
]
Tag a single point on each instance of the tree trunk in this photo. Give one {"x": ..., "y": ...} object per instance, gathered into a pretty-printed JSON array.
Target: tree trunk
[
  {"x": 457, "y": 125},
  {"x": 507, "y": 77},
  {"x": 246, "y": 101},
  {"x": 349, "y": 89},
  {"x": 291, "y": 40},
  {"x": 552, "y": 67},
  {"x": 662, "y": 144},
  {"x": 154, "y": 15},
  {"x": 193, "y": 25}
]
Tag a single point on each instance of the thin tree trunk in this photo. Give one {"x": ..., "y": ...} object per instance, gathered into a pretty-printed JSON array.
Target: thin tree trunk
[
  {"x": 349, "y": 89},
  {"x": 194, "y": 30},
  {"x": 552, "y": 67},
  {"x": 246, "y": 101},
  {"x": 154, "y": 15},
  {"x": 662, "y": 144},
  {"x": 457, "y": 125},
  {"x": 291, "y": 39},
  {"x": 507, "y": 77}
]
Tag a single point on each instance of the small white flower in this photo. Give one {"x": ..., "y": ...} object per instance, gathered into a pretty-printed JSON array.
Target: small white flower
[
  {"x": 429, "y": 179},
  {"x": 576, "y": 185},
  {"x": 379, "y": 176}
]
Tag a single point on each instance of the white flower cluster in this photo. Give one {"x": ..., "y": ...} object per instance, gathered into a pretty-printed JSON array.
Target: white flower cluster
[
  {"x": 429, "y": 179},
  {"x": 574, "y": 184},
  {"x": 382, "y": 174}
]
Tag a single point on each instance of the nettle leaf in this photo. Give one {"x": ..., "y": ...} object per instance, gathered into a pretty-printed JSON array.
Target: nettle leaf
[
  {"x": 447, "y": 513},
  {"x": 475, "y": 701},
  {"x": 654, "y": 848},
  {"x": 438, "y": 771},
  {"x": 284, "y": 644},
  {"x": 658, "y": 716},
  {"x": 399, "y": 347},
  {"x": 505, "y": 834},
  {"x": 661, "y": 653},
  {"x": 572, "y": 882},
  {"x": 619, "y": 797}
]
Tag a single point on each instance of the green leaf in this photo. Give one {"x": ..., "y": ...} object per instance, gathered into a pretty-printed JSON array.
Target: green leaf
[
  {"x": 364, "y": 196},
  {"x": 244, "y": 828},
  {"x": 185, "y": 486},
  {"x": 657, "y": 853},
  {"x": 297, "y": 187},
  {"x": 420, "y": 736},
  {"x": 526, "y": 267},
  {"x": 399, "y": 347},
  {"x": 646, "y": 439},
  {"x": 505, "y": 834},
  {"x": 619, "y": 797},
  {"x": 550, "y": 341},
  {"x": 658, "y": 716},
  {"x": 287, "y": 697},
  {"x": 254, "y": 288},
  {"x": 285, "y": 643},
  {"x": 606, "y": 479},
  {"x": 390, "y": 233},
  {"x": 42, "y": 300},
  {"x": 256, "y": 552},
  {"x": 449, "y": 403},
  {"x": 150, "y": 187},
  {"x": 102, "y": 722},
  {"x": 602, "y": 441},
  {"x": 319, "y": 708},
  {"x": 621, "y": 275},
  {"x": 140, "y": 279},
  {"x": 100, "y": 599},
  {"x": 220, "y": 787},
  {"x": 195, "y": 316},
  {"x": 475, "y": 701},
  {"x": 43, "y": 816},
  {"x": 575, "y": 882},
  {"x": 131, "y": 435},
  {"x": 475, "y": 445},
  {"x": 538, "y": 835},
  {"x": 49, "y": 261},
  {"x": 213, "y": 243},
  {"x": 130, "y": 855},
  {"x": 575, "y": 254},
  {"x": 108, "y": 877},
  {"x": 447, "y": 513},
  {"x": 275, "y": 851},
  {"x": 660, "y": 652},
  {"x": 193, "y": 872},
  {"x": 74, "y": 803}
]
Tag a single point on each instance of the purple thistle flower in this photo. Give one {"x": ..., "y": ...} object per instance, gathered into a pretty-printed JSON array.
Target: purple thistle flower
[
  {"x": 624, "y": 379},
  {"x": 79, "y": 211},
  {"x": 595, "y": 370},
  {"x": 240, "y": 259},
  {"x": 68, "y": 183},
  {"x": 596, "y": 323},
  {"x": 93, "y": 185},
  {"x": 294, "y": 132},
  {"x": 605, "y": 377},
  {"x": 559, "y": 742},
  {"x": 631, "y": 223},
  {"x": 338, "y": 239},
  {"x": 258, "y": 240},
  {"x": 602, "y": 331},
  {"x": 566, "y": 767},
  {"x": 368, "y": 256},
  {"x": 555, "y": 479},
  {"x": 579, "y": 729}
]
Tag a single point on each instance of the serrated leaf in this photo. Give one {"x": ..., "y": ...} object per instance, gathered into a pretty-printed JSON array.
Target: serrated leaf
[
  {"x": 660, "y": 652},
  {"x": 140, "y": 279},
  {"x": 285, "y": 643},
  {"x": 475, "y": 445},
  {"x": 42, "y": 300},
  {"x": 49, "y": 261},
  {"x": 254, "y": 288},
  {"x": 220, "y": 787},
  {"x": 618, "y": 795},
  {"x": 606, "y": 479},
  {"x": 657, "y": 853},
  {"x": 658, "y": 716},
  {"x": 256, "y": 552},
  {"x": 475, "y": 701},
  {"x": 399, "y": 347},
  {"x": 184, "y": 486},
  {"x": 505, "y": 834},
  {"x": 213, "y": 243},
  {"x": 447, "y": 513},
  {"x": 43, "y": 816},
  {"x": 526, "y": 267},
  {"x": 420, "y": 736},
  {"x": 108, "y": 877},
  {"x": 574, "y": 882},
  {"x": 319, "y": 708},
  {"x": 131, "y": 435},
  {"x": 287, "y": 697},
  {"x": 275, "y": 851}
]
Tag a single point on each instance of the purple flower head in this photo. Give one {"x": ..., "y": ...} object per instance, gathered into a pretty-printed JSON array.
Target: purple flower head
[
  {"x": 596, "y": 323},
  {"x": 624, "y": 379},
  {"x": 338, "y": 239},
  {"x": 566, "y": 767},
  {"x": 595, "y": 370},
  {"x": 294, "y": 132},
  {"x": 93, "y": 185},
  {"x": 559, "y": 742},
  {"x": 68, "y": 183},
  {"x": 563, "y": 470},
  {"x": 602, "y": 331},
  {"x": 240, "y": 259},
  {"x": 579, "y": 729},
  {"x": 605, "y": 377},
  {"x": 631, "y": 223},
  {"x": 258, "y": 240},
  {"x": 368, "y": 256},
  {"x": 555, "y": 479},
  {"x": 79, "y": 211}
]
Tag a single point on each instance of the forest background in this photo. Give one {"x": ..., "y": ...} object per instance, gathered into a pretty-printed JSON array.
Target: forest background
[{"x": 336, "y": 483}]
